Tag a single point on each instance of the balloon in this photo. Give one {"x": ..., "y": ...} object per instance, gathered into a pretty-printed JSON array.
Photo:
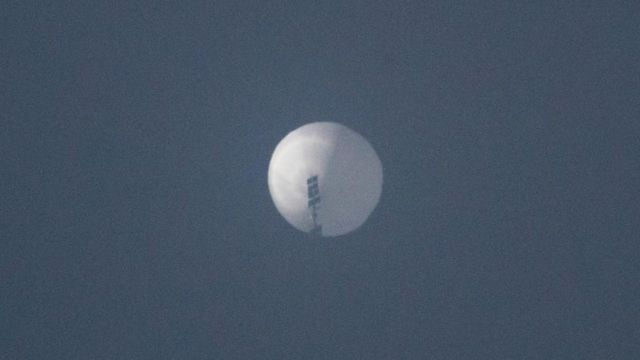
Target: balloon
[{"x": 325, "y": 179}]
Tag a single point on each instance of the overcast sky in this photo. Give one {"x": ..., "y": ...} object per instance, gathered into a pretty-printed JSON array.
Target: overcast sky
[{"x": 135, "y": 218}]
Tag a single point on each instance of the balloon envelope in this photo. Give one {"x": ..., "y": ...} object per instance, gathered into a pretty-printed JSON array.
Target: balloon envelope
[{"x": 325, "y": 178}]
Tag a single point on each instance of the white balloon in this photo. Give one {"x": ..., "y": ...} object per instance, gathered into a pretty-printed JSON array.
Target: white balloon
[{"x": 325, "y": 178}]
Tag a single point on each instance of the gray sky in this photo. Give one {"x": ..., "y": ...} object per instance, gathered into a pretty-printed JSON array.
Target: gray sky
[{"x": 136, "y": 221}]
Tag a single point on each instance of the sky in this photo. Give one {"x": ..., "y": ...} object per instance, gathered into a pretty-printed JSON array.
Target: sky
[{"x": 136, "y": 221}]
